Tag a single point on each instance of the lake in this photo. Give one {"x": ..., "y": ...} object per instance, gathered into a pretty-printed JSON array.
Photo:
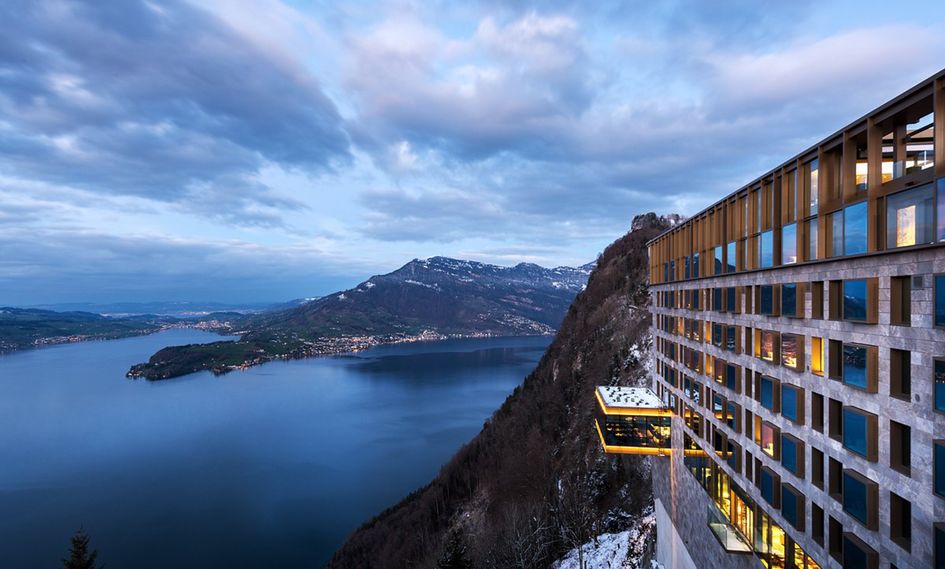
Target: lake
[{"x": 269, "y": 467}]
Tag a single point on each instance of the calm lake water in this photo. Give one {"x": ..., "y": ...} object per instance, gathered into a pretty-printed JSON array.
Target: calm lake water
[{"x": 271, "y": 467}]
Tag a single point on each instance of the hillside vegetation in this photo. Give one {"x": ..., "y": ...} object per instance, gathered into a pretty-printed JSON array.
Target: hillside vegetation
[{"x": 534, "y": 483}]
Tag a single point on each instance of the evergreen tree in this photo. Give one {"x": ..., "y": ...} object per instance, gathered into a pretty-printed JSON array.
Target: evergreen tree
[
  {"x": 79, "y": 555},
  {"x": 454, "y": 555}
]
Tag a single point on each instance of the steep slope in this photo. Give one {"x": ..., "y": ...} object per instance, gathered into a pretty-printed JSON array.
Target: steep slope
[
  {"x": 425, "y": 299},
  {"x": 534, "y": 483}
]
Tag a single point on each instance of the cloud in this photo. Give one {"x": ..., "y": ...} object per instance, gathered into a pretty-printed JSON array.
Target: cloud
[{"x": 158, "y": 101}]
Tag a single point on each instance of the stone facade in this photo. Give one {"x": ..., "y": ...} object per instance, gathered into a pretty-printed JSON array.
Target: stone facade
[{"x": 687, "y": 501}]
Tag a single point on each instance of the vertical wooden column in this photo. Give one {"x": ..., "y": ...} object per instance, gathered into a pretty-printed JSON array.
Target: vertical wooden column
[
  {"x": 848, "y": 168},
  {"x": 938, "y": 108}
]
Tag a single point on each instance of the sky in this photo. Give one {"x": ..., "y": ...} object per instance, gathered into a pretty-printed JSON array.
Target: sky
[{"x": 245, "y": 151}]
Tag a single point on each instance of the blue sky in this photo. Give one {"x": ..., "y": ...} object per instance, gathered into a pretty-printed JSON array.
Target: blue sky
[{"x": 242, "y": 151}]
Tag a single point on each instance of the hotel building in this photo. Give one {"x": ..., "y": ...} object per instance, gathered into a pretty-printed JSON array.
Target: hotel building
[{"x": 799, "y": 359}]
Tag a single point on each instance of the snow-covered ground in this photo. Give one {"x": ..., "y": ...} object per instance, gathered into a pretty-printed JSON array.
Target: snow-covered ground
[{"x": 624, "y": 550}]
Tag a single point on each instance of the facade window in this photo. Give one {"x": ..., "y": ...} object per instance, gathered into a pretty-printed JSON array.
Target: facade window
[
  {"x": 792, "y": 403},
  {"x": 857, "y": 435},
  {"x": 939, "y": 546},
  {"x": 717, "y": 299},
  {"x": 730, "y": 304},
  {"x": 910, "y": 217},
  {"x": 770, "y": 440},
  {"x": 939, "y": 371},
  {"x": 769, "y": 346},
  {"x": 900, "y": 521},
  {"x": 792, "y": 351},
  {"x": 855, "y": 366},
  {"x": 900, "y": 374},
  {"x": 789, "y": 244},
  {"x": 770, "y": 486},
  {"x": 900, "y": 301},
  {"x": 813, "y": 186},
  {"x": 939, "y": 300},
  {"x": 812, "y": 239},
  {"x": 789, "y": 299},
  {"x": 835, "y": 227},
  {"x": 939, "y": 467},
  {"x": 766, "y": 306},
  {"x": 858, "y": 555},
  {"x": 900, "y": 447},
  {"x": 792, "y": 506},
  {"x": 718, "y": 260},
  {"x": 855, "y": 306},
  {"x": 855, "y": 221},
  {"x": 767, "y": 249},
  {"x": 730, "y": 256},
  {"x": 792, "y": 455},
  {"x": 859, "y": 498},
  {"x": 817, "y": 356},
  {"x": 695, "y": 266},
  {"x": 686, "y": 274}
]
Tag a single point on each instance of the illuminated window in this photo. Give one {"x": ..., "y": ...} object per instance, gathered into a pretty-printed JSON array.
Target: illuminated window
[
  {"x": 792, "y": 347},
  {"x": 769, "y": 346},
  {"x": 817, "y": 356},
  {"x": 770, "y": 440},
  {"x": 789, "y": 244},
  {"x": 910, "y": 217}
]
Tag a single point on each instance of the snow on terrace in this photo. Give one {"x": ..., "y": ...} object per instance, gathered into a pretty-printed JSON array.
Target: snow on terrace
[{"x": 628, "y": 397}]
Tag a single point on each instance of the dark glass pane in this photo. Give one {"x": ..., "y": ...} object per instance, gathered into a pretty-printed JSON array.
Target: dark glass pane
[
  {"x": 910, "y": 217},
  {"x": 940, "y": 385},
  {"x": 854, "y": 498},
  {"x": 730, "y": 258},
  {"x": 730, "y": 338},
  {"x": 812, "y": 239},
  {"x": 672, "y": 270},
  {"x": 854, "y": 229},
  {"x": 731, "y": 381},
  {"x": 717, "y": 299},
  {"x": 686, "y": 268},
  {"x": 853, "y": 556},
  {"x": 695, "y": 265},
  {"x": 789, "y": 402},
  {"x": 730, "y": 298},
  {"x": 789, "y": 299},
  {"x": 767, "y": 393},
  {"x": 767, "y": 486},
  {"x": 854, "y": 365},
  {"x": 767, "y": 249},
  {"x": 854, "y": 300},
  {"x": 854, "y": 431},
  {"x": 718, "y": 260},
  {"x": 789, "y": 454},
  {"x": 789, "y": 244},
  {"x": 940, "y": 300},
  {"x": 789, "y": 506},
  {"x": 939, "y": 548},
  {"x": 767, "y": 299}
]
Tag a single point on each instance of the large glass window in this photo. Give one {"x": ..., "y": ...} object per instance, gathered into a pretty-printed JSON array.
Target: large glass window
[
  {"x": 789, "y": 299},
  {"x": 695, "y": 265},
  {"x": 769, "y": 346},
  {"x": 854, "y": 555},
  {"x": 767, "y": 249},
  {"x": 770, "y": 437},
  {"x": 730, "y": 299},
  {"x": 718, "y": 260},
  {"x": 854, "y": 365},
  {"x": 730, "y": 258},
  {"x": 686, "y": 270},
  {"x": 789, "y": 244},
  {"x": 940, "y": 385},
  {"x": 855, "y": 497},
  {"x": 910, "y": 217},
  {"x": 789, "y": 506},
  {"x": 854, "y": 431},
  {"x": 940, "y": 300},
  {"x": 855, "y": 229},
  {"x": 855, "y": 300}
]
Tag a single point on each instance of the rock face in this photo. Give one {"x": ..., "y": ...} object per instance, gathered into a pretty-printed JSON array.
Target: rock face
[{"x": 534, "y": 483}]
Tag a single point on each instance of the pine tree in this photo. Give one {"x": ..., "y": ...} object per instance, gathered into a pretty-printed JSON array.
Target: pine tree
[
  {"x": 454, "y": 555},
  {"x": 79, "y": 555}
]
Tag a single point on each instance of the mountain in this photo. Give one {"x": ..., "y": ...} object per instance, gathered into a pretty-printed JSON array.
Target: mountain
[
  {"x": 534, "y": 483},
  {"x": 425, "y": 299},
  {"x": 29, "y": 327}
]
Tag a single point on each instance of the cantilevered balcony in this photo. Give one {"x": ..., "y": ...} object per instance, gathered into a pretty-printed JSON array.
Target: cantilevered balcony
[{"x": 632, "y": 420}]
